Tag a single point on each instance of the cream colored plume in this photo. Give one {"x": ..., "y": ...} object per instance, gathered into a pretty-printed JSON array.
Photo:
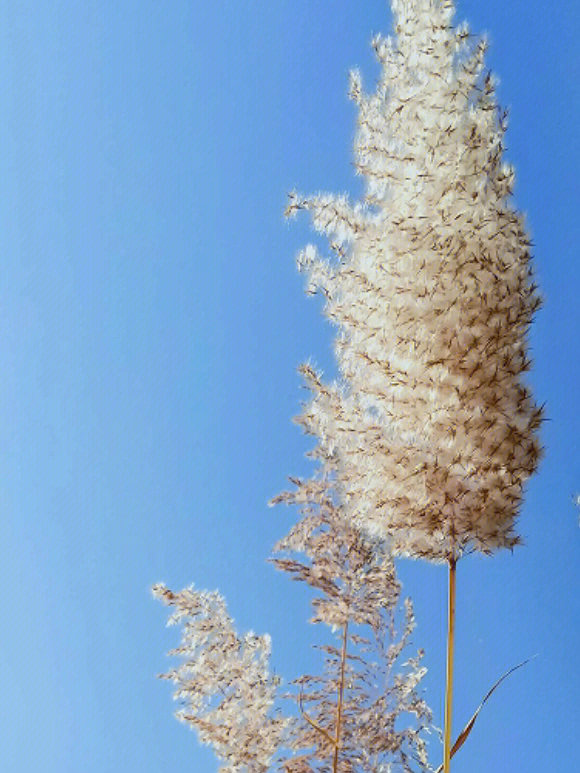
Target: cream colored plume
[{"x": 432, "y": 427}]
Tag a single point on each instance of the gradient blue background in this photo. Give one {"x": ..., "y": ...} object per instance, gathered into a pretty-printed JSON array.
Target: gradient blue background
[{"x": 151, "y": 320}]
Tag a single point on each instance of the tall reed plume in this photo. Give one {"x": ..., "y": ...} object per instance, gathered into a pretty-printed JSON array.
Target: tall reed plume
[{"x": 431, "y": 426}]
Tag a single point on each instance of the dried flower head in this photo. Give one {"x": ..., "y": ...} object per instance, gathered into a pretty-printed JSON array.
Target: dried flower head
[
  {"x": 223, "y": 682},
  {"x": 363, "y": 713},
  {"x": 433, "y": 429}
]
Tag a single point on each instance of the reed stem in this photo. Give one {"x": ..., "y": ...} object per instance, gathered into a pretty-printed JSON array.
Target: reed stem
[
  {"x": 449, "y": 676},
  {"x": 340, "y": 698}
]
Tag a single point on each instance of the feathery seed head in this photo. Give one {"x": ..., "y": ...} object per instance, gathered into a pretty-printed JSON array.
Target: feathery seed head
[
  {"x": 223, "y": 682},
  {"x": 433, "y": 428}
]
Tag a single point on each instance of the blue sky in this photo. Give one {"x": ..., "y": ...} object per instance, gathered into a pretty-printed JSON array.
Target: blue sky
[{"x": 151, "y": 322}]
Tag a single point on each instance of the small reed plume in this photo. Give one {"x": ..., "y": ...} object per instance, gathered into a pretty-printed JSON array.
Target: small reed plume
[
  {"x": 223, "y": 682},
  {"x": 364, "y": 712}
]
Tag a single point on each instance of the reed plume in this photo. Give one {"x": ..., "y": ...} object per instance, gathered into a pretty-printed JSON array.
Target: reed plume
[
  {"x": 432, "y": 293},
  {"x": 431, "y": 425},
  {"x": 363, "y": 713},
  {"x": 223, "y": 681}
]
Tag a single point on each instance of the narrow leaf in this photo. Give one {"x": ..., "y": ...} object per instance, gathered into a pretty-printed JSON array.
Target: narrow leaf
[{"x": 462, "y": 737}]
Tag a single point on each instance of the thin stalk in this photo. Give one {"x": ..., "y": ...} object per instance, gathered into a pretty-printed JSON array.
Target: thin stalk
[
  {"x": 340, "y": 698},
  {"x": 449, "y": 676}
]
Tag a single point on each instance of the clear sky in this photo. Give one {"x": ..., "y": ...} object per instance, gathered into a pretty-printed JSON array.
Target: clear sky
[{"x": 151, "y": 322}]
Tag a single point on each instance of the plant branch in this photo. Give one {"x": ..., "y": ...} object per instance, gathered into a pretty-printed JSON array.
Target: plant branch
[
  {"x": 340, "y": 697},
  {"x": 313, "y": 724}
]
